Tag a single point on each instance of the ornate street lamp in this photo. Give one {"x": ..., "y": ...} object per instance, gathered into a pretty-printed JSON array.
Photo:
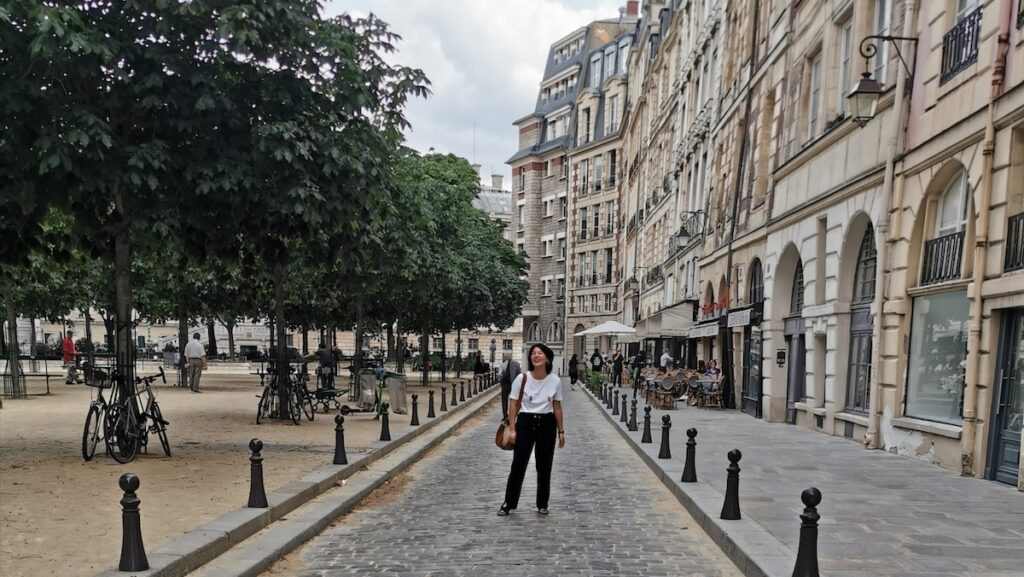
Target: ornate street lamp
[{"x": 864, "y": 96}]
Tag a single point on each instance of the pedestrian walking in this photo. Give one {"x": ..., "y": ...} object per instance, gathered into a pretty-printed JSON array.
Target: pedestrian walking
[
  {"x": 617, "y": 362},
  {"x": 596, "y": 361},
  {"x": 69, "y": 354},
  {"x": 574, "y": 371},
  {"x": 535, "y": 416},
  {"x": 510, "y": 371},
  {"x": 195, "y": 356}
]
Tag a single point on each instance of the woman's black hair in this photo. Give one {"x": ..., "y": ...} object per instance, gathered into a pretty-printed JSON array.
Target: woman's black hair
[{"x": 549, "y": 366}]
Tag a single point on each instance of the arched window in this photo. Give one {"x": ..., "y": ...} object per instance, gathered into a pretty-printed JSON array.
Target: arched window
[
  {"x": 864, "y": 278},
  {"x": 951, "y": 216},
  {"x": 944, "y": 251},
  {"x": 796, "y": 301},
  {"x": 534, "y": 335},
  {"x": 554, "y": 332},
  {"x": 756, "y": 292}
]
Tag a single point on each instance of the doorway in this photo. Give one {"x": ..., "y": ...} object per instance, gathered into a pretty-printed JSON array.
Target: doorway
[
  {"x": 796, "y": 373},
  {"x": 1008, "y": 411},
  {"x": 752, "y": 372}
]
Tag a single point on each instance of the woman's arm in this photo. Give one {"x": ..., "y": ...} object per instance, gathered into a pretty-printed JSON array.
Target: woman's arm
[{"x": 557, "y": 409}]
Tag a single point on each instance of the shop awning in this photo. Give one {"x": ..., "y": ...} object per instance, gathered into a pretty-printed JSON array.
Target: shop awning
[
  {"x": 704, "y": 331},
  {"x": 674, "y": 321}
]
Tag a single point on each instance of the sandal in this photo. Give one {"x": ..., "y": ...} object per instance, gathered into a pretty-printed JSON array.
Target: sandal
[
  {"x": 504, "y": 511},
  {"x": 543, "y": 511}
]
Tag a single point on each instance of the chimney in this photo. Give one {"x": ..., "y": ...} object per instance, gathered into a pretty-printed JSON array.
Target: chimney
[
  {"x": 476, "y": 168},
  {"x": 496, "y": 181},
  {"x": 632, "y": 8}
]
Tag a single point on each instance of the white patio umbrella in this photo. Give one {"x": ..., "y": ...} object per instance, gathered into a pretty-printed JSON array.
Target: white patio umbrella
[{"x": 610, "y": 328}]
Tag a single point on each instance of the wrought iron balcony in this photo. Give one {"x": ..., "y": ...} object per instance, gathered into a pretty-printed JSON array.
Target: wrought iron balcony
[
  {"x": 1015, "y": 230},
  {"x": 960, "y": 46},
  {"x": 942, "y": 258}
]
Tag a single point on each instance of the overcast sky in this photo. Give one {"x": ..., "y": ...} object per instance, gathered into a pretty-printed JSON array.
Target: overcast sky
[{"x": 484, "y": 59}]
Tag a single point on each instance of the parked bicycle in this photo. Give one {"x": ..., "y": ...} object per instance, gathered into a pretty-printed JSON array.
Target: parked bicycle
[
  {"x": 285, "y": 396},
  {"x": 127, "y": 427},
  {"x": 93, "y": 433}
]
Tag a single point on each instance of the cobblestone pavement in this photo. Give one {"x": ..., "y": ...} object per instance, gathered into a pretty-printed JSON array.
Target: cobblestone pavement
[
  {"x": 881, "y": 514},
  {"x": 609, "y": 515}
]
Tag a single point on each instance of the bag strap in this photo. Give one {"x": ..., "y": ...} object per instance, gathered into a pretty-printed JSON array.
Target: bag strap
[{"x": 522, "y": 389}]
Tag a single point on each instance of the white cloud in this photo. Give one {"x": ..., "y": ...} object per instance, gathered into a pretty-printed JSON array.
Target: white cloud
[{"x": 484, "y": 58}]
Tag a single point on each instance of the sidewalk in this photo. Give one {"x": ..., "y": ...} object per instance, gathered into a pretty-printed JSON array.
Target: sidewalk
[{"x": 881, "y": 514}]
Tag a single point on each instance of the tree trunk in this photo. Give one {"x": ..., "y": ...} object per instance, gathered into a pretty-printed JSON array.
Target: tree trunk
[
  {"x": 91, "y": 351},
  {"x": 444, "y": 357},
  {"x": 231, "y": 337},
  {"x": 182, "y": 341},
  {"x": 391, "y": 356},
  {"x": 425, "y": 352},
  {"x": 458, "y": 353},
  {"x": 123, "y": 301},
  {"x": 282, "y": 350},
  {"x": 32, "y": 337},
  {"x": 12, "y": 337},
  {"x": 305, "y": 340},
  {"x": 399, "y": 354},
  {"x": 108, "y": 328},
  {"x": 357, "y": 359},
  {"x": 211, "y": 351}
]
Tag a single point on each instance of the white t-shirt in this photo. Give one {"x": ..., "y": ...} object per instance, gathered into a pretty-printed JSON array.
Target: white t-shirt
[
  {"x": 194, "y": 350},
  {"x": 539, "y": 396}
]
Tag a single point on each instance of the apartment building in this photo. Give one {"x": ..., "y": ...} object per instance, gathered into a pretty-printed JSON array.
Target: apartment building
[
  {"x": 595, "y": 169},
  {"x": 540, "y": 174}
]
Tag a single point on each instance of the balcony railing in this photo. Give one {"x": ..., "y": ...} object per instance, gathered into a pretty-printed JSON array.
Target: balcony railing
[
  {"x": 960, "y": 46},
  {"x": 942, "y": 257},
  {"x": 1015, "y": 231}
]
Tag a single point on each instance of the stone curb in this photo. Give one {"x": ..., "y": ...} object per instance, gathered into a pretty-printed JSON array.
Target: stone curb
[
  {"x": 200, "y": 546},
  {"x": 754, "y": 551}
]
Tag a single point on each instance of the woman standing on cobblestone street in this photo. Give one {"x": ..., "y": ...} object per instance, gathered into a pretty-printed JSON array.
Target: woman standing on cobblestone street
[{"x": 535, "y": 417}]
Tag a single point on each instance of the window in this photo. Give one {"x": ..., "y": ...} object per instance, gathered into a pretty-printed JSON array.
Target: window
[
  {"x": 562, "y": 247},
  {"x": 845, "y": 53},
  {"x": 506, "y": 344},
  {"x": 756, "y": 292},
  {"x": 598, "y": 173},
  {"x": 623, "y": 57},
  {"x": 522, "y": 179},
  {"x": 814, "y": 97},
  {"x": 607, "y": 301},
  {"x": 565, "y": 167},
  {"x": 547, "y": 248},
  {"x": 938, "y": 357},
  {"x": 952, "y": 213},
  {"x": 522, "y": 216},
  {"x": 609, "y": 62},
  {"x": 610, "y": 227},
  {"x": 593, "y": 303},
  {"x": 586, "y": 125},
  {"x": 965, "y": 7},
  {"x": 438, "y": 343},
  {"x": 858, "y": 386},
  {"x": 546, "y": 283},
  {"x": 613, "y": 113},
  {"x": 595, "y": 71},
  {"x": 565, "y": 206},
  {"x": 608, "y": 265},
  {"x": 883, "y": 24},
  {"x": 864, "y": 281},
  {"x": 584, "y": 168},
  {"x": 474, "y": 344},
  {"x": 534, "y": 333},
  {"x": 597, "y": 220},
  {"x": 583, "y": 224},
  {"x": 554, "y": 332},
  {"x": 611, "y": 167},
  {"x": 560, "y": 287},
  {"x": 547, "y": 207},
  {"x": 796, "y": 302}
]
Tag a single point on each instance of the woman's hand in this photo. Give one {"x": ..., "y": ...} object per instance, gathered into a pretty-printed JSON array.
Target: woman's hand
[
  {"x": 512, "y": 436},
  {"x": 561, "y": 440}
]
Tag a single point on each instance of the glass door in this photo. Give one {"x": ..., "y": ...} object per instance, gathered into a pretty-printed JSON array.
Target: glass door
[{"x": 1009, "y": 410}]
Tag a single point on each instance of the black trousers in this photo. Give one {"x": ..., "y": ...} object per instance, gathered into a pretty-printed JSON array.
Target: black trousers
[
  {"x": 506, "y": 390},
  {"x": 617, "y": 374},
  {"x": 533, "y": 430}
]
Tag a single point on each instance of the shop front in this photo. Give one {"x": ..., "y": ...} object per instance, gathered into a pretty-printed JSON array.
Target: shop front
[{"x": 747, "y": 323}]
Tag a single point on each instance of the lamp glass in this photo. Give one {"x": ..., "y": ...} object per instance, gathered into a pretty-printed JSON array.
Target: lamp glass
[{"x": 864, "y": 99}]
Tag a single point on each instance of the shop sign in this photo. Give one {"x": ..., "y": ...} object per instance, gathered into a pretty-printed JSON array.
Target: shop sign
[
  {"x": 704, "y": 331},
  {"x": 739, "y": 318}
]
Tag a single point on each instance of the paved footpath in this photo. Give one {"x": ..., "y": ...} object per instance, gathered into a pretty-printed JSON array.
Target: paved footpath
[
  {"x": 881, "y": 514},
  {"x": 609, "y": 515}
]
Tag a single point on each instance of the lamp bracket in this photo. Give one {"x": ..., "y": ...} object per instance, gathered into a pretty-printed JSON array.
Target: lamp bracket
[{"x": 869, "y": 47}]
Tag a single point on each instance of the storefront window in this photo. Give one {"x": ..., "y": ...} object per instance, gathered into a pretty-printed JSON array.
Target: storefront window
[{"x": 938, "y": 357}]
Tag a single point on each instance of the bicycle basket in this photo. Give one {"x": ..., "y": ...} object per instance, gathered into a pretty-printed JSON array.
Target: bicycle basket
[{"x": 96, "y": 377}]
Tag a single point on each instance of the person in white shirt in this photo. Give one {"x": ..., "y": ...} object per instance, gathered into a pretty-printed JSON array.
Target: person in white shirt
[
  {"x": 195, "y": 359},
  {"x": 535, "y": 417},
  {"x": 665, "y": 360}
]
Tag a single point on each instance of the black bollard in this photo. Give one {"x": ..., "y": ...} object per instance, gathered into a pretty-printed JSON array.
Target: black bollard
[
  {"x": 340, "y": 458},
  {"x": 385, "y": 430},
  {"x": 666, "y": 450},
  {"x": 430, "y": 404},
  {"x": 454, "y": 402},
  {"x": 133, "y": 553},
  {"x": 623, "y": 418},
  {"x": 731, "y": 507},
  {"x": 690, "y": 468},
  {"x": 807, "y": 552},
  {"x": 257, "y": 494},
  {"x": 444, "y": 401},
  {"x": 646, "y": 438},
  {"x": 415, "y": 420},
  {"x": 462, "y": 391},
  {"x": 478, "y": 386},
  {"x": 632, "y": 418},
  {"x": 609, "y": 401},
  {"x": 615, "y": 402}
]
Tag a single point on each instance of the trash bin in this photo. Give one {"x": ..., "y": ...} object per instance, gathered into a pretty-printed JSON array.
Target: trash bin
[
  {"x": 367, "y": 388},
  {"x": 396, "y": 393}
]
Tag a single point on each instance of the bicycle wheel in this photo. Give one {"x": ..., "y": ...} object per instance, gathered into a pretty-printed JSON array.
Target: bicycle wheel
[
  {"x": 159, "y": 427},
  {"x": 263, "y": 408},
  {"x": 91, "y": 435},
  {"x": 122, "y": 443},
  {"x": 294, "y": 404},
  {"x": 306, "y": 401}
]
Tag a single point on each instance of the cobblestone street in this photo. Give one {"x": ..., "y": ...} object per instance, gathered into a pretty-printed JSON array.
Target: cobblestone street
[{"x": 609, "y": 515}]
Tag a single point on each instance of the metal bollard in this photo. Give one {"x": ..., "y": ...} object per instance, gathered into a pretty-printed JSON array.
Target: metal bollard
[
  {"x": 646, "y": 438},
  {"x": 133, "y": 553},
  {"x": 615, "y": 402},
  {"x": 731, "y": 506},
  {"x": 415, "y": 420},
  {"x": 609, "y": 401},
  {"x": 444, "y": 401},
  {"x": 462, "y": 391},
  {"x": 454, "y": 402},
  {"x": 690, "y": 468},
  {"x": 666, "y": 450},
  {"x": 623, "y": 418},
  {"x": 257, "y": 494},
  {"x": 632, "y": 418},
  {"x": 430, "y": 404},
  {"x": 385, "y": 430},
  {"x": 807, "y": 552},
  {"x": 340, "y": 458}
]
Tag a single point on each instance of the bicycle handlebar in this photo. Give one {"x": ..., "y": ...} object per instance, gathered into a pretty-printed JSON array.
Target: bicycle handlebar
[{"x": 163, "y": 376}]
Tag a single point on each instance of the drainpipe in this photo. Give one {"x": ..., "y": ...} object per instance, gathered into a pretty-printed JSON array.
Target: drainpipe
[
  {"x": 974, "y": 367},
  {"x": 872, "y": 438}
]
